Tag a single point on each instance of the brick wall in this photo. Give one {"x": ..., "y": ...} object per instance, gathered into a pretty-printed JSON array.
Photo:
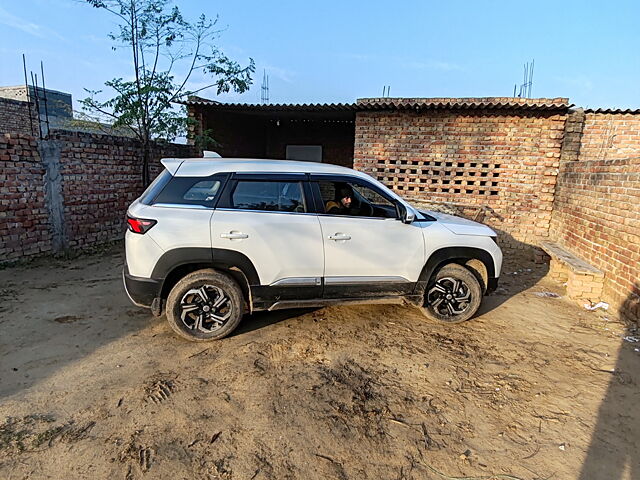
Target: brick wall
[
  {"x": 14, "y": 117},
  {"x": 505, "y": 161},
  {"x": 24, "y": 221},
  {"x": 597, "y": 204},
  {"x": 607, "y": 136},
  {"x": 100, "y": 175}
]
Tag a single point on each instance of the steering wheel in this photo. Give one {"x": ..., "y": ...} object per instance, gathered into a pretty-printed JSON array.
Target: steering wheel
[{"x": 366, "y": 209}]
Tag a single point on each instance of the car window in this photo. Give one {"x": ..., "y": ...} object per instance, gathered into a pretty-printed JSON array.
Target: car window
[
  {"x": 205, "y": 190},
  {"x": 353, "y": 199},
  {"x": 156, "y": 187},
  {"x": 273, "y": 196},
  {"x": 191, "y": 191}
]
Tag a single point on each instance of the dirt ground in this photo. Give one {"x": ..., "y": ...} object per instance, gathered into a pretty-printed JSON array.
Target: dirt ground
[{"x": 93, "y": 387}]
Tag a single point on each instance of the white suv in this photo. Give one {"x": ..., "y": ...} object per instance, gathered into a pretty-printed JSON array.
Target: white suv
[{"x": 214, "y": 238}]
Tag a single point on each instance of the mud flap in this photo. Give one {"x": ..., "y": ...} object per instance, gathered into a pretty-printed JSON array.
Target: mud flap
[{"x": 157, "y": 306}]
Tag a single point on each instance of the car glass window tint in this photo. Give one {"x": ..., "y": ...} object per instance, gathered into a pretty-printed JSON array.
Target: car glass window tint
[
  {"x": 271, "y": 196},
  {"x": 353, "y": 199},
  {"x": 328, "y": 193},
  {"x": 371, "y": 195},
  {"x": 191, "y": 191},
  {"x": 155, "y": 187},
  {"x": 205, "y": 191}
]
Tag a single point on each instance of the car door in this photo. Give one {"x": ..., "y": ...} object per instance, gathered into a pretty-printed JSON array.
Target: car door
[
  {"x": 368, "y": 250},
  {"x": 269, "y": 219},
  {"x": 182, "y": 207}
]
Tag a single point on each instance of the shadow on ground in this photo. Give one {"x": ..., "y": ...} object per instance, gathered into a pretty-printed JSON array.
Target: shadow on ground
[
  {"x": 521, "y": 270},
  {"x": 612, "y": 454},
  {"x": 56, "y": 312},
  {"x": 260, "y": 320}
]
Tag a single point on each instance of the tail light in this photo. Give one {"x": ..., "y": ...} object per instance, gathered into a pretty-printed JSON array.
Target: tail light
[{"x": 139, "y": 225}]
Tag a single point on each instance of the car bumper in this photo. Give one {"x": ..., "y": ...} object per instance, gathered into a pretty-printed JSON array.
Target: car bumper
[
  {"x": 141, "y": 291},
  {"x": 492, "y": 284}
]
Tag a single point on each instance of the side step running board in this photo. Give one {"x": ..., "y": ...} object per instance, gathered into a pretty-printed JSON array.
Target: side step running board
[{"x": 284, "y": 304}]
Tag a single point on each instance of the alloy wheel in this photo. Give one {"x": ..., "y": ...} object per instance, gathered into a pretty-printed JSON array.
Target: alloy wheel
[
  {"x": 205, "y": 309},
  {"x": 449, "y": 296}
]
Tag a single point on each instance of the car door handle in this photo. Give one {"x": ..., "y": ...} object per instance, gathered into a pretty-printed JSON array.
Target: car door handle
[
  {"x": 234, "y": 235},
  {"x": 339, "y": 236}
]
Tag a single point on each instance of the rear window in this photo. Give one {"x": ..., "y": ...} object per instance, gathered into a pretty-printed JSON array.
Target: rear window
[
  {"x": 155, "y": 187},
  {"x": 191, "y": 191},
  {"x": 271, "y": 196}
]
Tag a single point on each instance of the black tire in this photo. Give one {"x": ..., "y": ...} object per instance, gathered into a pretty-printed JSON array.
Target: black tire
[
  {"x": 203, "y": 319},
  {"x": 453, "y": 296}
]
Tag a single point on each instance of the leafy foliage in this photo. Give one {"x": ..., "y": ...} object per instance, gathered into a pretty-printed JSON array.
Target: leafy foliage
[{"x": 165, "y": 51}]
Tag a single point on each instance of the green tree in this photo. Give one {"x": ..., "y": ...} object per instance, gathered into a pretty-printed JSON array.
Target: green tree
[{"x": 165, "y": 50}]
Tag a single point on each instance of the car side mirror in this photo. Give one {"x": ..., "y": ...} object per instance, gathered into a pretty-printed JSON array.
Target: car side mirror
[{"x": 406, "y": 215}]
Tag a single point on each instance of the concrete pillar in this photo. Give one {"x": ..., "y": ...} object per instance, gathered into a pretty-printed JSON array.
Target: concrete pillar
[{"x": 50, "y": 156}]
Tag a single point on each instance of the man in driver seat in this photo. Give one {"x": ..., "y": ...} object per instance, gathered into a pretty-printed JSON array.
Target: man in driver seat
[{"x": 342, "y": 203}]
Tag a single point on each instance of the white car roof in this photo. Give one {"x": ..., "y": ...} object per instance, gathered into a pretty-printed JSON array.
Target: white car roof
[{"x": 204, "y": 167}]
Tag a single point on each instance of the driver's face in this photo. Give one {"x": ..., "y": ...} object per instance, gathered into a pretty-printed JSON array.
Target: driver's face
[{"x": 346, "y": 202}]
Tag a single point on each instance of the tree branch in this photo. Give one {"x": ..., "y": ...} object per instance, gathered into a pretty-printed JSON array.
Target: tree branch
[
  {"x": 157, "y": 35},
  {"x": 186, "y": 79},
  {"x": 109, "y": 114}
]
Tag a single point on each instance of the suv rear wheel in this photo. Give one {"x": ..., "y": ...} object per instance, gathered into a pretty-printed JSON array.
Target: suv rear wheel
[
  {"x": 205, "y": 305},
  {"x": 454, "y": 296}
]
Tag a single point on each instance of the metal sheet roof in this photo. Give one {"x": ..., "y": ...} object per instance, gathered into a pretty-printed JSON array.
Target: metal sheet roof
[
  {"x": 272, "y": 106},
  {"x": 613, "y": 111},
  {"x": 464, "y": 103},
  {"x": 374, "y": 104}
]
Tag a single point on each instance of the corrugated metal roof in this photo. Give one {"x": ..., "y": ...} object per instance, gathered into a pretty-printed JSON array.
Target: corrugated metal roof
[
  {"x": 373, "y": 104},
  {"x": 272, "y": 106},
  {"x": 465, "y": 103},
  {"x": 613, "y": 111}
]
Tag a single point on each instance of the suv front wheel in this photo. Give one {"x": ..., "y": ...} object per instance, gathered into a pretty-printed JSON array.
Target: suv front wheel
[
  {"x": 454, "y": 296},
  {"x": 205, "y": 305}
]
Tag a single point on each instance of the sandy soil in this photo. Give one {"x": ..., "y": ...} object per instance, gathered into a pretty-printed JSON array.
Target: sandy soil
[{"x": 93, "y": 387}]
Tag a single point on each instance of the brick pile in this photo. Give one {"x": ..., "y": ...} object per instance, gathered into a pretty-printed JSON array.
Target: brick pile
[
  {"x": 585, "y": 288},
  {"x": 583, "y": 281}
]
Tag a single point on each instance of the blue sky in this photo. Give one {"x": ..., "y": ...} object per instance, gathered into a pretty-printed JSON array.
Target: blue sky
[{"x": 337, "y": 51}]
